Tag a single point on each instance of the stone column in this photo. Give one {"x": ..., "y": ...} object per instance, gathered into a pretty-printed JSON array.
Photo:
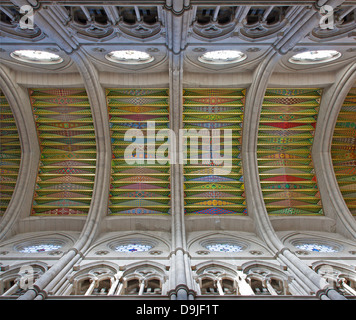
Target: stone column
[
  {"x": 243, "y": 287},
  {"x": 142, "y": 287},
  {"x": 115, "y": 283},
  {"x": 12, "y": 290},
  {"x": 177, "y": 13},
  {"x": 119, "y": 288},
  {"x": 219, "y": 286},
  {"x": 270, "y": 288},
  {"x": 68, "y": 291},
  {"x": 347, "y": 287},
  {"x": 93, "y": 284},
  {"x": 177, "y": 208}
]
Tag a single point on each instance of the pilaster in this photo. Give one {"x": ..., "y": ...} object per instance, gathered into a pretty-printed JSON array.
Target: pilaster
[{"x": 177, "y": 20}]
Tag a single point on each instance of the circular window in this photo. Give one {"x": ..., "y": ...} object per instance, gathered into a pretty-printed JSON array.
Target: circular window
[
  {"x": 316, "y": 247},
  {"x": 223, "y": 245},
  {"x": 39, "y": 246},
  {"x": 316, "y": 56},
  {"x": 129, "y": 57},
  {"x": 35, "y": 56},
  {"x": 222, "y": 57},
  {"x": 133, "y": 247}
]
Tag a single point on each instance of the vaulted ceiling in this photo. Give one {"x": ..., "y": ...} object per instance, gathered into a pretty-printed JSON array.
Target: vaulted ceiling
[{"x": 176, "y": 34}]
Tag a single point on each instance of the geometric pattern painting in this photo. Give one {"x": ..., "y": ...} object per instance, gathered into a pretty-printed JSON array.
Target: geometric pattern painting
[
  {"x": 10, "y": 153},
  {"x": 285, "y": 139},
  {"x": 66, "y": 135},
  {"x": 139, "y": 187},
  {"x": 209, "y": 188},
  {"x": 343, "y": 150}
]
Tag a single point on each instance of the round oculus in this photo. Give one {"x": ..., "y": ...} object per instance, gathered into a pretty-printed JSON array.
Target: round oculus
[
  {"x": 316, "y": 247},
  {"x": 314, "y": 57},
  {"x": 222, "y": 57},
  {"x": 36, "y": 56},
  {"x": 37, "y": 248},
  {"x": 133, "y": 247},
  {"x": 129, "y": 57},
  {"x": 224, "y": 247}
]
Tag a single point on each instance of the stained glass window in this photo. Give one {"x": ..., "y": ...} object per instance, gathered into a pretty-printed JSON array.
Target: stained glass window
[
  {"x": 133, "y": 247},
  {"x": 343, "y": 150},
  {"x": 315, "y": 247},
  {"x": 66, "y": 134},
  {"x": 39, "y": 248},
  {"x": 285, "y": 138},
  {"x": 224, "y": 247}
]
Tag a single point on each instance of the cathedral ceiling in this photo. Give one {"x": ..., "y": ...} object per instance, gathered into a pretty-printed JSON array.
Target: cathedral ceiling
[{"x": 94, "y": 29}]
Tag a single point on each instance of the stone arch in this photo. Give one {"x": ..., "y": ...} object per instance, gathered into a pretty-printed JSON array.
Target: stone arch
[
  {"x": 266, "y": 278},
  {"x": 216, "y": 278},
  {"x": 20, "y": 277},
  {"x": 160, "y": 244},
  {"x": 340, "y": 276},
  {"x": 144, "y": 278},
  {"x": 249, "y": 241},
  {"x": 94, "y": 279}
]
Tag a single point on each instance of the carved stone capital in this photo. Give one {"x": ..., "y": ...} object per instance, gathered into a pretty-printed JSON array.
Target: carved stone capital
[{"x": 175, "y": 8}]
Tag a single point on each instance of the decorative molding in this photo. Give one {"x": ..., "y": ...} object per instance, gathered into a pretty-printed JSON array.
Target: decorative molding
[
  {"x": 172, "y": 8},
  {"x": 174, "y": 252},
  {"x": 340, "y": 31},
  {"x": 140, "y": 30},
  {"x": 15, "y": 32},
  {"x": 12, "y": 28},
  {"x": 257, "y": 24}
]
